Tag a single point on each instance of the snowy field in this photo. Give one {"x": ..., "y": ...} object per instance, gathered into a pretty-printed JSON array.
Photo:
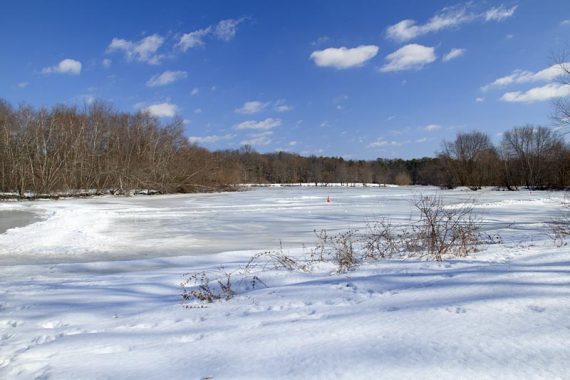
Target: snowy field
[{"x": 91, "y": 290}]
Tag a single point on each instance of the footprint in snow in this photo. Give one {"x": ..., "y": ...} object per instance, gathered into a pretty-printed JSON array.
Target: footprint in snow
[
  {"x": 456, "y": 310},
  {"x": 53, "y": 325},
  {"x": 43, "y": 339},
  {"x": 11, "y": 323},
  {"x": 536, "y": 309},
  {"x": 6, "y": 336}
]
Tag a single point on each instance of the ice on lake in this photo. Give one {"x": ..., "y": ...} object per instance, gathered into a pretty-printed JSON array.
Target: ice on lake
[{"x": 116, "y": 228}]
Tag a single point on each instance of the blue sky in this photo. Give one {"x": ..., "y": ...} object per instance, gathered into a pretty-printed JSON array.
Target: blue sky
[{"x": 358, "y": 79}]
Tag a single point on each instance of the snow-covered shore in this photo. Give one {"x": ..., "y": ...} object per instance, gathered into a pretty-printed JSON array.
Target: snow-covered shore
[{"x": 92, "y": 291}]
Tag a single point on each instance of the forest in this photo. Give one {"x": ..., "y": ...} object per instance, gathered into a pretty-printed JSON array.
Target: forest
[{"x": 67, "y": 149}]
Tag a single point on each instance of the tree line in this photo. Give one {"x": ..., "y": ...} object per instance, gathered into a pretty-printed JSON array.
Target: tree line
[
  {"x": 96, "y": 148},
  {"x": 100, "y": 149}
]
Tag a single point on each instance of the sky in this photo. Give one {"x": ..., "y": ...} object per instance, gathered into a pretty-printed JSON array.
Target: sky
[{"x": 360, "y": 79}]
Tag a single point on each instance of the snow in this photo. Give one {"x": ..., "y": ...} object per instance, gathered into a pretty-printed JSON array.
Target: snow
[{"x": 92, "y": 290}]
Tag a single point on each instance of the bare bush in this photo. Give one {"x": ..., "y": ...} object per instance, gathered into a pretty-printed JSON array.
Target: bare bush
[
  {"x": 559, "y": 227},
  {"x": 381, "y": 240},
  {"x": 208, "y": 287},
  {"x": 338, "y": 249},
  {"x": 343, "y": 254},
  {"x": 444, "y": 230},
  {"x": 559, "y": 231},
  {"x": 440, "y": 230},
  {"x": 277, "y": 260},
  {"x": 198, "y": 287},
  {"x": 319, "y": 252}
]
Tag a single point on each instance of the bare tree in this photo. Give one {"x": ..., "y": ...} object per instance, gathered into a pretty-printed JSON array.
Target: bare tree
[
  {"x": 467, "y": 156},
  {"x": 532, "y": 150}
]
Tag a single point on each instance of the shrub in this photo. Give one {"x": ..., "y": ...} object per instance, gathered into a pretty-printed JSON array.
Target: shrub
[
  {"x": 559, "y": 228},
  {"x": 278, "y": 260},
  {"x": 338, "y": 249},
  {"x": 444, "y": 229},
  {"x": 381, "y": 240},
  {"x": 198, "y": 287}
]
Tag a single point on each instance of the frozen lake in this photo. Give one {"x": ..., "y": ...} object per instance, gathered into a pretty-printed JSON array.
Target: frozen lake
[
  {"x": 111, "y": 290},
  {"x": 112, "y": 228}
]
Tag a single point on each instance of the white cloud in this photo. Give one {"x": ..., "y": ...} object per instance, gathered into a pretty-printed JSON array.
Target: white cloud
[
  {"x": 344, "y": 58},
  {"x": 224, "y": 30},
  {"x": 412, "y": 56},
  {"x": 321, "y": 40},
  {"x": 195, "y": 91},
  {"x": 165, "y": 78},
  {"x": 523, "y": 76},
  {"x": 381, "y": 142},
  {"x": 422, "y": 140},
  {"x": 198, "y": 111},
  {"x": 139, "y": 105},
  {"x": 432, "y": 127},
  {"x": 268, "y": 123},
  {"x": 193, "y": 39},
  {"x": 500, "y": 13},
  {"x": 106, "y": 63},
  {"x": 479, "y": 99},
  {"x": 23, "y": 84},
  {"x": 282, "y": 106},
  {"x": 449, "y": 17},
  {"x": 144, "y": 50},
  {"x": 251, "y": 107},
  {"x": 292, "y": 143},
  {"x": 453, "y": 53},
  {"x": 259, "y": 139},
  {"x": 67, "y": 66},
  {"x": 565, "y": 22},
  {"x": 537, "y": 94},
  {"x": 256, "y": 106},
  {"x": 209, "y": 139},
  {"x": 161, "y": 109}
]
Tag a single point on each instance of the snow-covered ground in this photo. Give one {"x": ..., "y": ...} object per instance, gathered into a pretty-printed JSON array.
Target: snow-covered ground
[{"x": 92, "y": 290}]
